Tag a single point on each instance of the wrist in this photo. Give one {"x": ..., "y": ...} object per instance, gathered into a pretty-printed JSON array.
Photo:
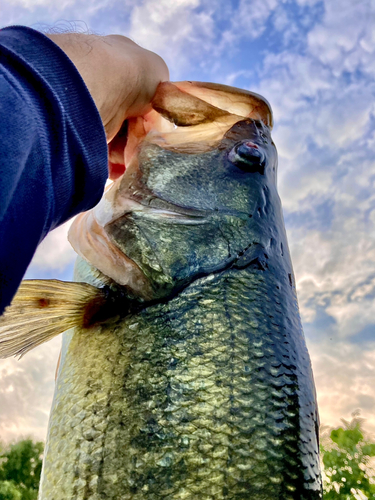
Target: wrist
[{"x": 85, "y": 52}]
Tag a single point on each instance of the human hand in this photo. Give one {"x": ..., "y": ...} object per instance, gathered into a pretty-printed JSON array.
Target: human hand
[{"x": 122, "y": 78}]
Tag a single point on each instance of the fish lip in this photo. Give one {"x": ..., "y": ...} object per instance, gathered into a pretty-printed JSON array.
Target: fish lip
[
  {"x": 170, "y": 212},
  {"x": 158, "y": 205},
  {"x": 176, "y": 212},
  {"x": 167, "y": 212},
  {"x": 169, "y": 215}
]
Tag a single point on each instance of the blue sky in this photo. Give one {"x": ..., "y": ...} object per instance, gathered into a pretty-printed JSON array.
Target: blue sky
[{"x": 315, "y": 63}]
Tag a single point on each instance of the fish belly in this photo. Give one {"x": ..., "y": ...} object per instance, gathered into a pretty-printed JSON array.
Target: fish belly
[{"x": 207, "y": 396}]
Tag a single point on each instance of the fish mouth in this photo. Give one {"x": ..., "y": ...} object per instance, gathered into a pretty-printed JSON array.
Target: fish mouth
[
  {"x": 89, "y": 235},
  {"x": 125, "y": 197},
  {"x": 156, "y": 207},
  {"x": 119, "y": 201},
  {"x": 187, "y": 117}
]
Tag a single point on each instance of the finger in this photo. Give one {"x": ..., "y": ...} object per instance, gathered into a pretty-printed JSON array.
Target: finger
[{"x": 116, "y": 148}]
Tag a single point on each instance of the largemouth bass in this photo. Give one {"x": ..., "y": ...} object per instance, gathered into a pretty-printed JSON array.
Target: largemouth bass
[{"x": 187, "y": 374}]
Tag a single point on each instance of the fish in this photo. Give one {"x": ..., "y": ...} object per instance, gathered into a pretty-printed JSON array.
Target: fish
[{"x": 184, "y": 371}]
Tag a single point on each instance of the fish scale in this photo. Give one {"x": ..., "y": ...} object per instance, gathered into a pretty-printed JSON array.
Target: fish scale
[{"x": 196, "y": 398}]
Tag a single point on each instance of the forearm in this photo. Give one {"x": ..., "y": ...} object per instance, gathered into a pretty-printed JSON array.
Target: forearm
[
  {"x": 54, "y": 156},
  {"x": 53, "y": 153}
]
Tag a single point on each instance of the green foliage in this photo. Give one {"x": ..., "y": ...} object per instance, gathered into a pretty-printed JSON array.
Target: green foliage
[
  {"x": 346, "y": 456},
  {"x": 20, "y": 468},
  {"x": 8, "y": 491}
]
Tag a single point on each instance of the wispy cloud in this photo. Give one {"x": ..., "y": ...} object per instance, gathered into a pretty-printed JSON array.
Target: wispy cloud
[
  {"x": 323, "y": 100},
  {"x": 345, "y": 38},
  {"x": 32, "y": 4},
  {"x": 26, "y": 391},
  {"x": 184, "y": 32},
  {"x": 55, "y": 251},
  {"x": 169, "y": 28},
  {"x": 251, "y": 17},
  {"x": 344, "y": 376}
]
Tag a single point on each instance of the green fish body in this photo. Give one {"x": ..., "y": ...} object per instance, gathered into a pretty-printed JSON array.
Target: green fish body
[{"x": 203, "y": 389}]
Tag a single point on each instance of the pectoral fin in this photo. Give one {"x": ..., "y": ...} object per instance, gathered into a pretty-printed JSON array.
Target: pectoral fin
[{"x": 43, "y": 309}]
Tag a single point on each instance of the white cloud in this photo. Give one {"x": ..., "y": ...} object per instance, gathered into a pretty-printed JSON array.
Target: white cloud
[
  {"x": 26, "y": 391},
  {"x": 290, "y": 145},
  {"x": 343, "y": 118},
  {"x": 281, "y": 21},
  {"x": 335, "y": 268},
  {"x": 324, "y": 134},
  {"x": 232, "y": 77},
  {"x": 186, "y": 32},
  {"x": 311, "y": 105},
  {"x": 55, "y": 251},
  {"x": 322, "y": 98},
  {"x": 31, "y": 4},
  {"x": 176, "y": 30},
  {"x": 252, "y": 16},
  {"x": 344, "y": 375},
  {"x": 307, "y": 2},
  {"x": 344, "y": 39}
]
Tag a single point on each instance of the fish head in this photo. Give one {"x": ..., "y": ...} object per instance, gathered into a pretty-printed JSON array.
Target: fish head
[{"x": 190, "y": 203}]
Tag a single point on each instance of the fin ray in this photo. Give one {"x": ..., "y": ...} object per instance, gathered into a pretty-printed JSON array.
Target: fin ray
[{"x": 40, "y": 310}]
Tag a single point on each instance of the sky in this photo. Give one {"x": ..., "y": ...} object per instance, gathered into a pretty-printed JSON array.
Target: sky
[{"x": 314, "y": 61}]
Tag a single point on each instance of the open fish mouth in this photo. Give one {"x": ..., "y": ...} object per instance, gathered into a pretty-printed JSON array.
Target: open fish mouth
[
  {"x": 187, "y": 118},
  {"x": 190, "y": 117}
]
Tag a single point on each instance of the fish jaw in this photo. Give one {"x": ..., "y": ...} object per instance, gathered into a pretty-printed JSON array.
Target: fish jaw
[
  {"x": 186, "y": 115},
  {"x": 132, "y": 236},
  {"x": 204, "y": 113},
  {"x": 235, "y": 101},
  {"x": 208, "y": 202},
  {"x": 91, "y": 242}
]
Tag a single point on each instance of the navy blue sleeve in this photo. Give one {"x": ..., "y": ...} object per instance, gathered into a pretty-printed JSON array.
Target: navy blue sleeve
[{"x": 53, "y": 151}]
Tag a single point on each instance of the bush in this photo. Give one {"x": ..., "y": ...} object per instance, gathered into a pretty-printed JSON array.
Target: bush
[
  {"x": 346, "y": 455},
  {"x": 9, "y": 491},
  {"x": 20, "y": 468}
]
